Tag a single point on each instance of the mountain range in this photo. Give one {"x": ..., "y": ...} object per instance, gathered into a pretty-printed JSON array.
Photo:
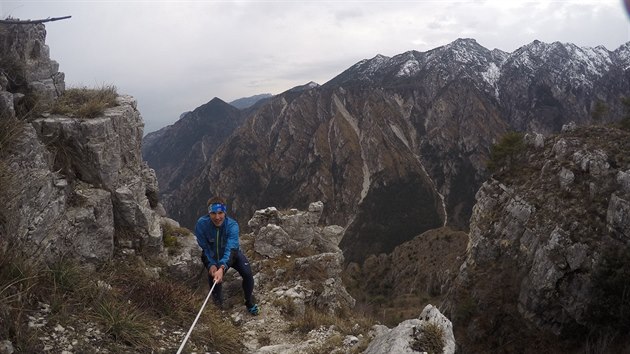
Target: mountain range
[{"x": 393, "y": 146}]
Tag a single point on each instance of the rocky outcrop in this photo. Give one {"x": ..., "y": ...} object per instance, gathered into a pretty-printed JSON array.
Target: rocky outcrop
[
  {"x": 314, "y": 251},
  {"x": 293, "y": 282},
  {"x": 545, "y": 232},
  {"x": 76, "y": 187},
  {"x": 424, "y": 334},
  {"x": 27, "y": 67}
]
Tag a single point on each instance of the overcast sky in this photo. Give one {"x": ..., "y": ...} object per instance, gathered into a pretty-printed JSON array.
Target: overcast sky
[{"x": 174, "y": 56}]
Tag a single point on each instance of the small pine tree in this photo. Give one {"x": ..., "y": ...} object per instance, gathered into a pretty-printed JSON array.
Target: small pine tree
[{"x": 506, "y": 153}]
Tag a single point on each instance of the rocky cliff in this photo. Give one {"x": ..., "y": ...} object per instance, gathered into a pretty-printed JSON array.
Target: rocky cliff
[
  {"x": 397, "y": 146},
  {"x": 27, "y": 70},
  {"x": 547, "y": 260},
  {"x": 73, "y": 187}
]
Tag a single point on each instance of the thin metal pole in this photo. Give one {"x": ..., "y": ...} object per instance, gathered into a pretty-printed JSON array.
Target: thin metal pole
[{"x": 195, "y": 322}]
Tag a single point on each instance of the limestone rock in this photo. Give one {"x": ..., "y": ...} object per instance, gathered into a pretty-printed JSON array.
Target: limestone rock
[
  {"x": 401, "y": 338},
  {"x": 184, "y": 261},
  {"x": 6, "y": 105},
  {"x": 623, "y": 178},
  {"x": 566, "y": 178},
  {"x": 272, "y": 240},
  {"x": 328, "y": 240},
  {"x": 278, "y": 233},
  {"x": 431, "y": 314},
  {"x": 26, "y": 44},
  {"x": 334, "y": 296},
  {"x": 535, "y": 139},
  {"x": 264, "y": 217},
  {"x": 81, "y": 181},
  {"x": 618, "y": 216},
  {"x": 6, "y": 347}
]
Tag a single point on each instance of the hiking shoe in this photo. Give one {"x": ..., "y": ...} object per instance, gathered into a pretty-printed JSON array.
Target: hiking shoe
[{"x": 254, "y": 310}]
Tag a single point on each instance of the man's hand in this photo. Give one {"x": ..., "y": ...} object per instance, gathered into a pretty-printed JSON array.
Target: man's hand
[{"x": 216, "y": 273}]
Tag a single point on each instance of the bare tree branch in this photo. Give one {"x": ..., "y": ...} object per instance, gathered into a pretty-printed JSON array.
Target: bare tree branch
[{"x": 27, "y": 22}]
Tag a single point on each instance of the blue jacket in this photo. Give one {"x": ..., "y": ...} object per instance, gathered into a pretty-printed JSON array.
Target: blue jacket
[{"x": 217, "y": 242}]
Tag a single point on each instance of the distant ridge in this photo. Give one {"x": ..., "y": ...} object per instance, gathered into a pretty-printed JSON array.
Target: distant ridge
[
  {"x": 411, "y": 132},
  {"x": 247, "y": 102}
]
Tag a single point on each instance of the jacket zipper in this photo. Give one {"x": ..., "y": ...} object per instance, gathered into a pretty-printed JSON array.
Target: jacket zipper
[{"x": 217, "y": 243}]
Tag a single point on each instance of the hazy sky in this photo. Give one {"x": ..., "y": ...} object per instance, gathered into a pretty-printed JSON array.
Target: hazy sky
[{"x": 174, "y": 56}]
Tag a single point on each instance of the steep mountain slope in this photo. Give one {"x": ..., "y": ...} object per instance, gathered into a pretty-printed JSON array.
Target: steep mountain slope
[
  {"x": 178, "y": 152},
  {"x": 247, "y": 102},
  {"x": 397, "y": 146},
  {"x": 547, "y": 263}
]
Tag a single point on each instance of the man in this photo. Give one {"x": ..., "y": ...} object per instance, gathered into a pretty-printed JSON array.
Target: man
[{"x": 217, "y": 235}]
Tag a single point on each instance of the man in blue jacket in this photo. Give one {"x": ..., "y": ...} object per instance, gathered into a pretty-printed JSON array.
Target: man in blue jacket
[{"x": 217, "y": 235}]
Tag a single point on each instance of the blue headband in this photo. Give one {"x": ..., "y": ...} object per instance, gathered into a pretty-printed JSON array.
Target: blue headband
[{"x": 217, "y": 207}]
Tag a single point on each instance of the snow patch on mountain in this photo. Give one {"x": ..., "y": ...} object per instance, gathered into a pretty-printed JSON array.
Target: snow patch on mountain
[
  {"x": 491, "y": 76},
  {"x": 409, "y": 68},
  {"x": 370, "y": 67}
]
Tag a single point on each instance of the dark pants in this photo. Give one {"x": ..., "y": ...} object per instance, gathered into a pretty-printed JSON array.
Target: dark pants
[{"x": 241, "y": 264}]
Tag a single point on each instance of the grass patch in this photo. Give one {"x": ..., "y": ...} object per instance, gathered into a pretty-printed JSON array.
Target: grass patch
[
  {"x": 18, "y": 278},
  {"x": 346, "y": 322},
  {"x": 10, "y": 129},
  {"x": 137, "y": 311},
  {"x": 313, "y": 318},
  {"x": 219, "y": 335},
  {"x": 124, "y": 322},
  {"x": 287, "y": 307},
  {"x": 171, "y": 234},
  {"x": 84, "y": 102}
]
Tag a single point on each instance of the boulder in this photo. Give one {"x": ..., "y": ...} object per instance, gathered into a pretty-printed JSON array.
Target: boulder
[
  {"x": 405, "y": 337},
  {"x": 279, "y": 233}
]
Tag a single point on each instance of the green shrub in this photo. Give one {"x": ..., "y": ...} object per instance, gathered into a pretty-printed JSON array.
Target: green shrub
[
  {"x": 465, "y": 309},
  {"x": 611, "y": 291},
  {"x": 171, "y": 234},
  {"x": 506, "y": 153}
]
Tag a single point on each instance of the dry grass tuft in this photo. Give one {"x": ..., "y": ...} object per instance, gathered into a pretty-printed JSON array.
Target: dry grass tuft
[
  {"x": 430, "y": 339},
  {"x": 170, "y": 235},
  {"x": 10, "y": 129},
  {"x": 84, "y": 102},
  {"x": 124, "y": 322},
  {"x": 18, "y": 278}
]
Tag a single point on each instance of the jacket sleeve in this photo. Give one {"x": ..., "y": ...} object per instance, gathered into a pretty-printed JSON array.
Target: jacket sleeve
[
  {"x": 202, "y": 241},
  {"x": 232, "y": 231}
]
